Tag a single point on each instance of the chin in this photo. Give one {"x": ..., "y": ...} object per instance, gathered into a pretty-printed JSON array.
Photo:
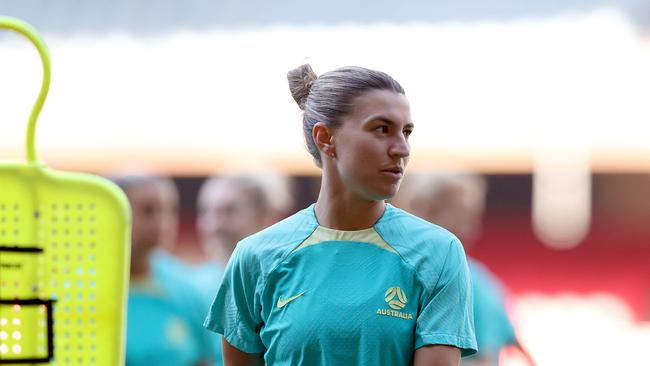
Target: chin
[{"x": 383, "y": 194}]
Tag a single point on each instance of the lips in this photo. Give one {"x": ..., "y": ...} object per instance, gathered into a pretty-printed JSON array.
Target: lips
[
  {"x": 394, "y": 169},
  {"x": 395, "y": 172}
]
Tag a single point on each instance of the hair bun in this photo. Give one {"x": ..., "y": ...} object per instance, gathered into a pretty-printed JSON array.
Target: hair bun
[{"x": 300, "y": 81}]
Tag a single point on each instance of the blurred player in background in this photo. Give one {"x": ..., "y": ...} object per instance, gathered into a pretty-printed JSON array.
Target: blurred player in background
[
  {"x": 230, "y": 208},
  {"x": 456, "y": 201},
  {"x": 161, "y": 329}
]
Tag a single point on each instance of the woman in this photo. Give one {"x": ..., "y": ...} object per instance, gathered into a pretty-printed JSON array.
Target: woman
[
  {"x": 232, "y": 207},
  {"x": 349, "y": 280},
  {"x": 161, "y": 326}
]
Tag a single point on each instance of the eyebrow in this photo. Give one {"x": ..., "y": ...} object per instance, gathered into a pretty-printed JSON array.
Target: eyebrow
[{"x": 388, "y": 121}]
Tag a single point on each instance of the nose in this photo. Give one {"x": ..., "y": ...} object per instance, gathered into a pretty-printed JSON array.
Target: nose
[{"x": 400, "y": 148}]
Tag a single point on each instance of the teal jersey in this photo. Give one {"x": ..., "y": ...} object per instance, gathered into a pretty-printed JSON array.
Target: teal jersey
[
  {"x": 157, "y": 332},
  {"x": 493, "y": 328},
  {"x": 303, "y": 294},
  {"x": 192, "y": 288}
]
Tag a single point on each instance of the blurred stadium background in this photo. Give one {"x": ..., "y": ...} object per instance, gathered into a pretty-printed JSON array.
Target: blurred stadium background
[{"x": 548, "y": 99}]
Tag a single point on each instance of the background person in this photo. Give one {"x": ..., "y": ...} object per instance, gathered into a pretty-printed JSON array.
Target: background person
[
  {"x": 160, "y": 328},
  {"x": 456, "y": 201},
  {"x": 229, "y": 208}
]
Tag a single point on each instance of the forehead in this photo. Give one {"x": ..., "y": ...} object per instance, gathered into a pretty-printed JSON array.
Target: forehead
[
  {"x": 384, "y": 103},
  {"x": 153, "y": 190},
  {"x": 219, "y": 192}
]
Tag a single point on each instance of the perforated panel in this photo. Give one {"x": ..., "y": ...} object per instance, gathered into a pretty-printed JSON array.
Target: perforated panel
[{"x": 64, "y": 242}]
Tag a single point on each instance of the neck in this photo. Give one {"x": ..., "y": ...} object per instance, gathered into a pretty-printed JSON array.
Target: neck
[
  {"x": 139, "y": 266},
  {"x": 339, "y": 208},
  {"x": 218, "y": 252}
]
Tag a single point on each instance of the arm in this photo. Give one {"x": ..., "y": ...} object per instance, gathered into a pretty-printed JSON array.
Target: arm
[
  {"x": 232, "y": 356},
  {"x": 236, "y": 309},
  {"x": 524, "y": 353},
  {"x": 436, "y": 355},
  {"x": 446, "y": 319}
]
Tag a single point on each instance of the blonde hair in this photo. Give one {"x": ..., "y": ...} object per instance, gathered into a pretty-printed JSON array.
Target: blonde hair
[{"x": 329, "y": 97}]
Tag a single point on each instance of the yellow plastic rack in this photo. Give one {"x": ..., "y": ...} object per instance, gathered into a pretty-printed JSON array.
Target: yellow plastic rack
[{"x": 64, "y": 256}]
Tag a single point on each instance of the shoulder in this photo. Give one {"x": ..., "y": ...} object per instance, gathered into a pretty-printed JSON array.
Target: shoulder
[
  {"x": 483, "y": 279},
  {"x": 265, "y": 249},
  {"x": 409, "y": 233},
  {"x": 427, "y": 247}
]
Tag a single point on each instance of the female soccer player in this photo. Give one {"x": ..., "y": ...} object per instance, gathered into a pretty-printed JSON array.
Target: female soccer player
[
  {"x": 349, "y": 280},
  {"x": 160, "y": 328}
]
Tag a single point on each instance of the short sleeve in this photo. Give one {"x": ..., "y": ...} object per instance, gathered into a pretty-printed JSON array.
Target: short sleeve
[
  {"x": 446, "y": 313},
  {"x": 236, "y": 309}
]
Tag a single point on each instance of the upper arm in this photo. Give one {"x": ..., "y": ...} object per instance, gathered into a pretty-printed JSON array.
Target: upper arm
[
  {"x": 236, "y": 310},
  {"x": 446, "y": 316},
  {"x": 436, "y": 355},
  {"x": 232, "y": 356}
]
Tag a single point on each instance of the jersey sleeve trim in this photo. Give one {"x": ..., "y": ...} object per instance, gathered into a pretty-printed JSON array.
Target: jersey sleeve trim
[
  {"x": 467, "y": 345},
  {"x": 237, "y": 342}
]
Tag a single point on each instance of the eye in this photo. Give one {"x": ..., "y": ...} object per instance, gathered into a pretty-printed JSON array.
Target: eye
[
  {"x": 408, "y": 132},
  {"x": 383, "y": 129}
]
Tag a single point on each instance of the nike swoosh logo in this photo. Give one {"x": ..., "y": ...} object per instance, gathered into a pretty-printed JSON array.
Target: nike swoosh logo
[{"x": 281, "y": 303}]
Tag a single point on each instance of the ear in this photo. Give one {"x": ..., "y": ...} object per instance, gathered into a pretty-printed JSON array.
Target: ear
[{"x": 324, "y": 138}]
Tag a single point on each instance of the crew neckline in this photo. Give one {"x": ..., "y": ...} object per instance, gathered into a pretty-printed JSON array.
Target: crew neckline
[{"x": 312, "y": 211}]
